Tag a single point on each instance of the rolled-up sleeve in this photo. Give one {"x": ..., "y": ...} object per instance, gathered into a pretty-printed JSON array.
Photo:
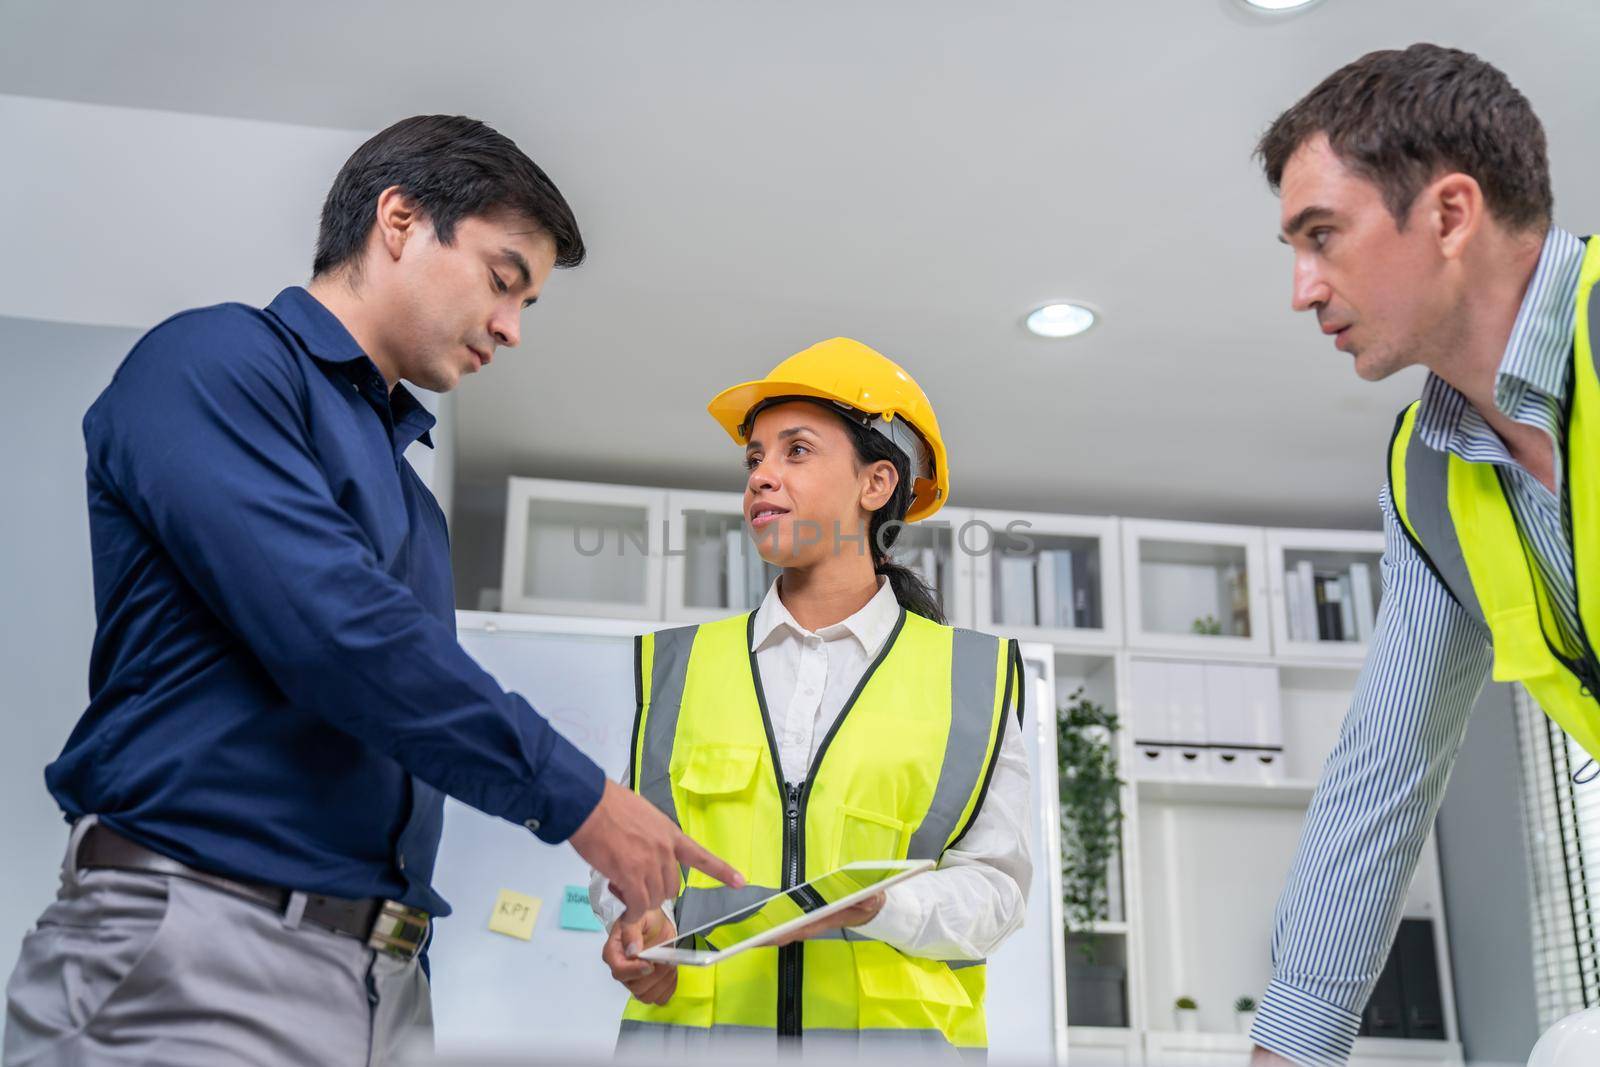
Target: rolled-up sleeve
[{"x": 207, "y": 444}]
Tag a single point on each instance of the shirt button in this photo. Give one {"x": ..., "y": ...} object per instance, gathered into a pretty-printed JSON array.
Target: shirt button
[
  {"x": 533, "y": 824},
  {"x": 402, "y": 860}
]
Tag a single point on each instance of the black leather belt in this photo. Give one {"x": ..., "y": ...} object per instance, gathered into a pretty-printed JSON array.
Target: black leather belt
[{"x": 385, "y": 925}]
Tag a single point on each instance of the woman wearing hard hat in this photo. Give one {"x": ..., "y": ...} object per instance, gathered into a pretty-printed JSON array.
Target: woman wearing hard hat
[{"x": 841, "y": 721}]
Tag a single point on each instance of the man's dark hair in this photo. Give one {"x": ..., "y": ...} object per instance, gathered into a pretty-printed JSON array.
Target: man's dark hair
[
  {"x": 452, "y": 168},
  {"x": 1402, "y": 118}
]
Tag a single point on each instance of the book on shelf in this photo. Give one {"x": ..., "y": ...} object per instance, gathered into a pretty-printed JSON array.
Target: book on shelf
[
  {"x": 735, "y": 586},
  {"x": 1330, "y": 625},
  {"x": 1361, "y": 596},
  {"x": 1306, "y": 578},
  {"x": 1237, "y": 599},
  {"x": 1017, "y": 591},
  {"x": 1086, "y": 590},
  {"x": 1347, "y": 611},
  {"x": 1056, "y": 598},
  {"x": 1292, "y": 607}
]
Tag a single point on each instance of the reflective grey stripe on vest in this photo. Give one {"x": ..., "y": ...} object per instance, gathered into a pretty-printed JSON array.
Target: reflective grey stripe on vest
[
  {"x": 1428, "y": 508},
  {"x": 974, "y": 663},
  {"x": 668, "y": 669},
  {"x": 648, "y": 1039},
  {"x": 1428, "y": 496}
]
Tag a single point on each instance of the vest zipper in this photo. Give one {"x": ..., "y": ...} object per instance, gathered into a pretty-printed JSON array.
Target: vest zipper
[{"x": 791, "y": 957}]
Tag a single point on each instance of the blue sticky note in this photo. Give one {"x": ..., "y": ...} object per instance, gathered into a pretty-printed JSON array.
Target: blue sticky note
[{"x": 575, "y": 911}]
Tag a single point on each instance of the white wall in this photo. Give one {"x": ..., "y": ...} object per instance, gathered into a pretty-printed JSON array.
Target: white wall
[
  {"x": 120, "y": 217},
  {"x": 53, "y": 373}
]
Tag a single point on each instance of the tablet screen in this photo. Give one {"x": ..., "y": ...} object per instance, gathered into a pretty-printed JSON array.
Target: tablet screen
[{"x": 855, "y": 879}]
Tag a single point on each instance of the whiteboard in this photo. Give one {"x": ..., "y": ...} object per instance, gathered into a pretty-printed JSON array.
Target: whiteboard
[{"x": 498, "y": 995}]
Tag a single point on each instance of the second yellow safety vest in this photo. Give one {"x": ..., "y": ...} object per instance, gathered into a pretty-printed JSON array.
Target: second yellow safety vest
[
  {"x": 901, "y": 775},
  {"x": 1456, "y": 513}
]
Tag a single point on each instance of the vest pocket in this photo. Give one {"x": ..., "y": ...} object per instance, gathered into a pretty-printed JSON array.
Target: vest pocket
[
  {"x": 867, "y": 835},
  {"x": 695, "y": 983},
  {"x": 713, "y": 781},
  {"x": 885, "y": 974}
]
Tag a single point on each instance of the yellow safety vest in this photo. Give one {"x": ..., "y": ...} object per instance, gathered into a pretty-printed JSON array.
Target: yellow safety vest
[
  {"x": 901, "y": 775},
  {"x": 1456, "y": 513}
]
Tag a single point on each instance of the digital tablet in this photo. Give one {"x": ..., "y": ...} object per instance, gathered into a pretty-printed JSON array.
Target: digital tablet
[{"x": 767, "y": 920}]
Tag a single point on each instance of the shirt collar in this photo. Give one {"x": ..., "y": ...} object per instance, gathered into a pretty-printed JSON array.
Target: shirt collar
[
  {"x": 318, "y": 328},
  {"x": 870, "y": 626},
  {"x": 326, "y": 338},
  {"x": 1536, "y": 354}
]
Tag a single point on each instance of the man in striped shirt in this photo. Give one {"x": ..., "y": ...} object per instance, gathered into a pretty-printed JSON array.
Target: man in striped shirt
[{"x": 1416, "y": 198}]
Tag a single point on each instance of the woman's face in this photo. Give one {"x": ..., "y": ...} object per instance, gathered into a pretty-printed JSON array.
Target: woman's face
[{"x": 806, "y": 498}]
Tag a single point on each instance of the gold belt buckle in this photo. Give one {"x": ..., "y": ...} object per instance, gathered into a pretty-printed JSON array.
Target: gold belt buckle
[{"x": 399, "y": 931}]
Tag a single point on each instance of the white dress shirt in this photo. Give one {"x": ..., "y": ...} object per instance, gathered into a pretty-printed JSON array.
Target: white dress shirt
[{"x": 979, "y": 895}]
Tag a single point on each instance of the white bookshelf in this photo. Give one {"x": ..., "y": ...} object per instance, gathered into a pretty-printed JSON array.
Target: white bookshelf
[
  {"x": 712, "y": 568},
  {"x": 951, "y": 573},
  {"x": 1180, "y": 575},
  {"x": 1348, "y": 558},
  {"x": 576, "y": 548},
  {"x": 1203, "y": 853},
  {"x": 1210, "y": 855},
  {"x": 1041, "y": 577}
]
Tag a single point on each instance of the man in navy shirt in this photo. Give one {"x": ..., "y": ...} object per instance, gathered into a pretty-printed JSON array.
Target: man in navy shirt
[{"x": 278, "y": 701}]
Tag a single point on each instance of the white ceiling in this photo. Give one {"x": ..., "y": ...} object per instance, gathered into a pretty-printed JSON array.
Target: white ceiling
[{"x": 754, "y": 176}]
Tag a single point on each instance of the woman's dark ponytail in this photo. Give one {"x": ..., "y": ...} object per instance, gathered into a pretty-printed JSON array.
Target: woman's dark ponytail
[
  {"x": 910, "y": 588},
  {"x": 914, "y": 594}
]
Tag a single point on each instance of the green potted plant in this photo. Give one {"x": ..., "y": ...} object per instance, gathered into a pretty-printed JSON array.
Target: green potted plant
[
  {"x": 1244, "y": 1013},
  {"x": 1186, "y": 1015},
  {"x": 1091, "y": 811}
]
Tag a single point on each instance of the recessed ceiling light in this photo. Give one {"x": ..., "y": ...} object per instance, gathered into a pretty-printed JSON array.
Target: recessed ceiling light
[
  {"x": 1061, "y": 320},
  {"x": 1276, "y": 6}
]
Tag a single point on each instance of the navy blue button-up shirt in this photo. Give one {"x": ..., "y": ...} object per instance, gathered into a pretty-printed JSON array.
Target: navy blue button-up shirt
[{"x": 276, "y": 690}]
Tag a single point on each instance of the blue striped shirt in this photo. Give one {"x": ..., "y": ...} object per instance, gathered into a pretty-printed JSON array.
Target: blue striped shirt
[{"x": 1383, "y": 782}]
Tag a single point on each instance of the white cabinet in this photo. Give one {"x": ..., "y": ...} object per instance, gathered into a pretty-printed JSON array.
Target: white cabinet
[
  {"x": 1173, "y": 1049},
  {"x": 1096, "y": 1046},
  {"x": 574, "y": 548},
  {"x": 933, "y": 550},
  {"x": 1195, "y": 587},
  {"x": 1244, "y": 723},
  {"x": 1170, "y": 736},
  {"x": 1054, "y": 578},
  {"x": 712, "y": 567},
  {"x": 1206, "y": 721},
  {"x": 1325, "y": 586}
]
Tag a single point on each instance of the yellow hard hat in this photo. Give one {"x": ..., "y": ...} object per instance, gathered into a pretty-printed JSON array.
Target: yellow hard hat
[{"x": 864, "y": 382}]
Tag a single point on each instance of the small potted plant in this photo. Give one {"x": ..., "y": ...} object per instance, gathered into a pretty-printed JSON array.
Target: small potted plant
[
  {"x": 1186, "y": 1015},
  {"x": 1244, "y": 1013}
]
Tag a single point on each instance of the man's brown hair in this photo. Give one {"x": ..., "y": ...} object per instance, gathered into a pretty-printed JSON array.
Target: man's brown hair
[{"x": 1402, "y": 118}]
